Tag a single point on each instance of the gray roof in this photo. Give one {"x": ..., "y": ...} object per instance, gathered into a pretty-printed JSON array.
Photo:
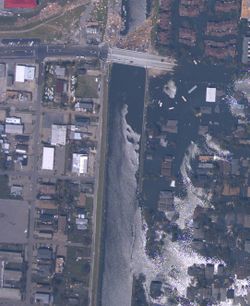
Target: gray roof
[
  {"x": 14, "y": 128},
  {"x": 245, "y": 52}
]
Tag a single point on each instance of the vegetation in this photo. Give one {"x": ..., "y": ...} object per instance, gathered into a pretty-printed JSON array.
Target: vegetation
[
  {"x": 87, "y": 87},
  {"x": 155, "y": 15},
  {"x": 54, "y": 28},
  {"x": 101, "y": 14}
]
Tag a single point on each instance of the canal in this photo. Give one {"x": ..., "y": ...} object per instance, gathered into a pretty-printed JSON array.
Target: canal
[{"x": 126, "y": 100}]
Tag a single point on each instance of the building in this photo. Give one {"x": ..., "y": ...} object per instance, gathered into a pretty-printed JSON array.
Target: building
[
  {"x": 210, "y": 94},
  {"x": 13, "y": 128},
  {"x": 84, "y": 106},
  {"x": 245, "y": 9},
  {"x": 2, "y": 70},
  {"x": 12, "y": 275},
  {"x": 13, "y": 120},
  {"x": 48, "y": 158},
  {"x": 43, "y": 297},
  {"x": 82, "y": 121},
  {"x": 24, "y": 73},
  {"x": 20, "y": 4},
  {"x": 10, "y": 293},
  {"x": 44, "y": 253},
  {"x": 80, "y": 163},
  {"x": 166, "y": 166},
  {"x": 11, "y": 256},
  {"x": 16, "y": 190},
  {"x": 61, "y": 86},
  {"x": 166, "y": 201},
  {"x": 10, "y": 79},
  {"x": 245, "y": 50},
  {"x": 58, "y": 134},
  {"x": 59, "y": 265},
  {"x": 22, "y": 148},
  {"x": 60, "y": 71}
]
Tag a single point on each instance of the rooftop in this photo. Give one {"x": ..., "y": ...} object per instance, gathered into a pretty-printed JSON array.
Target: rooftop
[
  {"x": 28, "y": 4},
  {"x": 24, "y": 73},
  {"x": 58, "y": 134},
  {"x": 48, "y": 158},
  {"x": 245, "y": 9},
  {"x": 80, "y": 163}
]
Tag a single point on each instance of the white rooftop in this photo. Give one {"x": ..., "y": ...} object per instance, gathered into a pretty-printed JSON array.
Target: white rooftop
[
  {"x": 48, "y": 158},
  {"x": 58, "y": 134},
  {"x": 210, "y": 94},
  {"x": 80, "y": 163},
  {"x": 24, "y": 73}
]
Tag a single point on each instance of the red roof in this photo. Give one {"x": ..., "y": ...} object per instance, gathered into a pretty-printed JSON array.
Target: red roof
[{"x": 8, "y": 4}]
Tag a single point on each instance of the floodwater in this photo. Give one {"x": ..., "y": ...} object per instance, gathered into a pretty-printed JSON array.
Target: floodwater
[{"x": 125, "y": 253}]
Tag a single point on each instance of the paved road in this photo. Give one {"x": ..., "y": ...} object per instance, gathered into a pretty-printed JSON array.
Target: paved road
[
  {"x": 40, "y": 52},
  {"x": 41, "y": 174},
  {"x": 141, "y": 59},
  {"x": 113, "y": 55},
  {"x": 34, "y": 179}
]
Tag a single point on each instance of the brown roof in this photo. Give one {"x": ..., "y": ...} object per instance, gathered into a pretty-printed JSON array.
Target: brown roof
[
  {"x": 245, "y": 9},
  {"x": 230, "y": 191}
]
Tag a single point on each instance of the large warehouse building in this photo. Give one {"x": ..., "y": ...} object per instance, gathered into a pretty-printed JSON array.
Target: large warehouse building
[
  {"x": 20, "y": 4},
  {"x": 24, "y": 73},
  {"x": 48, "y": 158},
  {"x": 58, "y": 134}
]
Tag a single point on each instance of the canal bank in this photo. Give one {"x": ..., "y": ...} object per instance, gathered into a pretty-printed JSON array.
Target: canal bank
[{"x": 98, "y": 203}]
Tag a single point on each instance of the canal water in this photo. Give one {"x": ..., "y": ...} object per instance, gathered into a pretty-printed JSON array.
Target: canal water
[{"x": 126, "y": 99}]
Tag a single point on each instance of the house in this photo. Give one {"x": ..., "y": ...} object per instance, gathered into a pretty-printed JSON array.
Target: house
[
  {"x": 60, "y": 71},
  {"x": 59, "y": 265},
  {"x": 82, "y": 121},
  {"x": 245, "y": 9},
  {"x": 47, "y": 189},
  {"x": 156, "y": 289},
  {"x": 84, "y": 106},
  {"x": 166, "y": 166},
  {"x": 166, "y": 201},
  {"x": 170, "y": 127},
  {"x": 43, "y": 297},
  {"x": 247, "y": 246},
  {"x": 14, "y": 128},
  {"x": 61, "y": 86},
  {"x": 16, "y": 190},
  {"x": 44, "y": 253},
  {"x": 230, "y": 190}
]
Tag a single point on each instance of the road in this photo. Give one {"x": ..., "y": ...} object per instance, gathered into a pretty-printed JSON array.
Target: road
[
  {"x": 40, "y": 52},
  {"x": 112, "y": 55},
  {"x": 41, "y": 174},
  {"x": 141, "y": 59},
  {"x": 34, "y": 179}
]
